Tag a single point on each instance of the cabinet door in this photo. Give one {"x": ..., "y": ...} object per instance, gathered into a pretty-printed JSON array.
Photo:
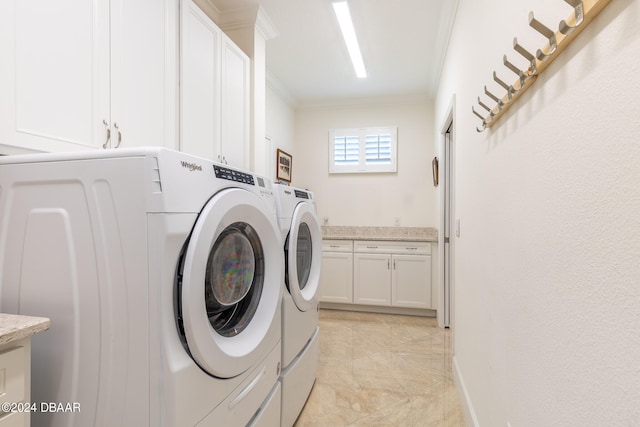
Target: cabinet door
[
  {"x": 54, "y": 78},
  {"x": 336, "y": 278},
  {"x": 411, "y": 285},
  {"x": 235, "y": 105},
  {"x": 143, "y": 79},
  {"x": 200, "y": 83},
  {"x": 372, "y": 279}
]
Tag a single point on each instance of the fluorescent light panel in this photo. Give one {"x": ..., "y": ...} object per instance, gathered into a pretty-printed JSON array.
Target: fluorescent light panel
[{"x": 341, "y": 9}]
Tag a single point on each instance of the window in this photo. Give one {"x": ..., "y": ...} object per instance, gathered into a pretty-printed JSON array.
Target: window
[{"x": 363, "y": 150}]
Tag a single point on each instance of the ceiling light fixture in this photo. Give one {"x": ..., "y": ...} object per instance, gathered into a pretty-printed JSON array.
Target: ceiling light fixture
[{"x": 341, "y": 8}]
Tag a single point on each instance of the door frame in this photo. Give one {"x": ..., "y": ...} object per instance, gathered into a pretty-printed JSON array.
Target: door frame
[{"x": 447, "y": 174}]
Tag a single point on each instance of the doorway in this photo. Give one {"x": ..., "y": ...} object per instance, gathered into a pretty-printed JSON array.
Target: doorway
[{"x": 446, "y": 211}]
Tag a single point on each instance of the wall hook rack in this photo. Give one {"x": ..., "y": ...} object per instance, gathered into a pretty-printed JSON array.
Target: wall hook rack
[{"x": 583, "y": 13}]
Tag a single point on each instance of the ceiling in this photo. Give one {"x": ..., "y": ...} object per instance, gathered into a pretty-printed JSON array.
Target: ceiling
[{"x": 402, "y": 41}]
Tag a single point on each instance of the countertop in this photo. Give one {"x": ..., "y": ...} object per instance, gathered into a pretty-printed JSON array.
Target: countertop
[
  {"x": 14, "y": 327},
  {"x": 410, "y": 234}
]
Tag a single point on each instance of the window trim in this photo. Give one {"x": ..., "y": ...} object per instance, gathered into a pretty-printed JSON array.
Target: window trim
[{"x": 362, "y": 166}]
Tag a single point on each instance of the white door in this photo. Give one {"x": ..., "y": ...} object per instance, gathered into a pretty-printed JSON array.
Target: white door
[
  {"x": 235, "y": 90},
  {"x": 54, "y": 78},
  {"x": 336, "y": 283},
  {"x": 200, "y": 41},
  {"x": 411, "y": 281},
  {"x": 231, "y": 283},
  {"x": 304, "y": 257},
  {"x": 143, "y": 78},
  {"x": 372, "y": 279}
]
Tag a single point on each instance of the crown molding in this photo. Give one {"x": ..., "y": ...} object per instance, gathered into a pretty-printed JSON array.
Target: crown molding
[{"x": 249, "y": 17}]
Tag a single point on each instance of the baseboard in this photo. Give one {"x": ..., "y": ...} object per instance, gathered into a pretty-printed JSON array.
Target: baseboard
[
  {"x": 425, "y": 312},
  {"x": 465, "y": 400}
]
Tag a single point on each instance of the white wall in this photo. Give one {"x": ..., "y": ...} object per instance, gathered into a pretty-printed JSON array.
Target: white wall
[
  {"x": 369, "y": 199},
  {"x": 547, "y": 293},
  {"x": 280, "y": 127}
]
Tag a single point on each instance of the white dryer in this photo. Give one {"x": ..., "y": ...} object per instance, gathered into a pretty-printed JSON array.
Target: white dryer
[
  {"x": 303, "y": 256},
  {"x": 162, "y": 275}
]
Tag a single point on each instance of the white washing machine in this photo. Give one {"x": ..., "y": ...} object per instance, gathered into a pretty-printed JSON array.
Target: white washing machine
[
  {"x": 162, "y": 275},
  {"x": 303, "y": 256}
]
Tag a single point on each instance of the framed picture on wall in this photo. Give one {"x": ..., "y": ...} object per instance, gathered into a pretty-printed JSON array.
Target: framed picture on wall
[{"x": 283, "y": 166}]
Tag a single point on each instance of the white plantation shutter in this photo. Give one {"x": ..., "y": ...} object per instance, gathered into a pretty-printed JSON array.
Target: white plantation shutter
[{"x": 363, "y": 150}]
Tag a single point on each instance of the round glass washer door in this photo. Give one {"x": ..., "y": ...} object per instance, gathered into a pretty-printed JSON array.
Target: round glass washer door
[
  {"x": 304, "y": 255},
  {"x": 231, "y": 283}
]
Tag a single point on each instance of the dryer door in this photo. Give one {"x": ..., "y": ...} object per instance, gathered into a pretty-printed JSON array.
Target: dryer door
[
  {"x": 231, "y": 283},
  {"x": 303, "y": 256}
]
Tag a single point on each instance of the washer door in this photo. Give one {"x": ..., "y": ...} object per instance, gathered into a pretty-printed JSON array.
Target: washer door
[
  {"x": 231, "y": 282},
  {"x": 303, "y": 256}
]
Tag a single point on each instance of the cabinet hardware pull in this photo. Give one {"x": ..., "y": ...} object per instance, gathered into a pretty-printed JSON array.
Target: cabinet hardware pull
[
  {"x": 224, "y": 159},
  {"x": 394, "y": 264},
  {"x": 412, "y": 249},
  {"x": 334, "y": 246},
  {"x": 106, "y": 143},
  {"x": 388, "y": 266},
  {"x": 115, "y": 125},
  {"x": 372, "y": 247}
]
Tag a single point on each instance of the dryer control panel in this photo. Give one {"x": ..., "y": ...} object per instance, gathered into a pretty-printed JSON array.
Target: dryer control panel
[{"x": 233, "y": 175}]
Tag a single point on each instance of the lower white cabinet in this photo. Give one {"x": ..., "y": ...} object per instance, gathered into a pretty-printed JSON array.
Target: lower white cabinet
[
  {"x": 376, "y": 273},
  {"x": 14, "y": 384},
  {"x": 336, "y": 274},
  {"x": 396, "y": 274}
]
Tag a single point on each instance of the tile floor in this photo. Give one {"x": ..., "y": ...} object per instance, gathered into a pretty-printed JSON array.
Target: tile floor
[{"x": 382, "y": 370}]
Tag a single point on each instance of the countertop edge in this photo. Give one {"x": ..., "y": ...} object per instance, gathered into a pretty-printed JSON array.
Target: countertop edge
[
  {"x": 15, "y": 327},
  {"x": 408, "y": 234}
]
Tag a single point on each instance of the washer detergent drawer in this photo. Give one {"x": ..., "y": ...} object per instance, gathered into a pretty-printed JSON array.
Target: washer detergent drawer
[{"x": 248, "y": 398}]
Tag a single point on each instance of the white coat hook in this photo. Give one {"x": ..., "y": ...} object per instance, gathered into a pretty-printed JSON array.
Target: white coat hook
[
  {"x": 495, "y": 98},
  {"x": 524, "y": 52},
  {"x": 484, "y": 121},
  {"x": 486, "y": 107},
  {"x": 545, "y": 31},
  {"x": 515, "y": 69},
  {"x": 510, "y": 90},
  {"x": 578, "y": 10}
]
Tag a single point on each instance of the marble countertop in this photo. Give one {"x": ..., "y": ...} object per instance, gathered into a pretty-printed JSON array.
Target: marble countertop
[
  {"x": 411, "y": 234},
  {"x": 14, "y": 327}
]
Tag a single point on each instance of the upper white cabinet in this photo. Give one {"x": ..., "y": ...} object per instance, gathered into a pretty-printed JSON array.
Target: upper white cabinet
[
  {"x": 199, "y": 82},
  {"x": 84, "y": 74},
  {"x": 214, "y": 91},
  {"x": 236, "y": 92}
]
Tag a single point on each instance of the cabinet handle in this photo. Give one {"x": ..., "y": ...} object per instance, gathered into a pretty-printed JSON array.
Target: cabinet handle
[
  {"x": 115, "y": 125},
  {"x": 412, "y": 249},
  {"x": 394, "y": 264},
  {"x": 334, "y": 246},
  {"x": 106, "y": 143},
  {"x": 224, "y": 159},
  {"x": 372, "y": 247},
  {"x": 388, "y": 266}
]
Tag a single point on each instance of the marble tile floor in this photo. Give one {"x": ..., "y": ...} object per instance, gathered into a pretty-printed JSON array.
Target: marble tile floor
[{"x": 382, "y": 370}]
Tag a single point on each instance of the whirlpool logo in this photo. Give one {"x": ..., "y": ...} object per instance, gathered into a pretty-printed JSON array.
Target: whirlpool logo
[{"x": 191, "y": 166}]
